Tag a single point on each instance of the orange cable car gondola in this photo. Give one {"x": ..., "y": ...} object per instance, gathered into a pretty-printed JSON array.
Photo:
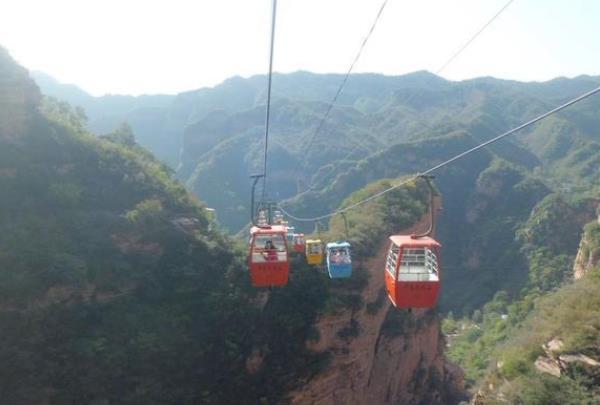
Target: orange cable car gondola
[
  {"x": 268, "y": 262},
  {"x": 412, "y": 267},
  {"x": 412, "y": 271}
]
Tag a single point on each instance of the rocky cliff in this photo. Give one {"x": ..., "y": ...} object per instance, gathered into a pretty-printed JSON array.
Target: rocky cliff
[
  {"x": 588, "y": 254},
  {"x": 552, "y": 356}
]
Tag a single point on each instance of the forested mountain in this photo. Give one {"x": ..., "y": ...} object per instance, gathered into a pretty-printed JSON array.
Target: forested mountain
[
  {"x": 219, "y": 130},
  {"x": 225, "y": 146},
  {"x": 147, "y": 115},
  {"x": 93, "y": 266},
  {"x": 117, "y": 287},
  {"x": 512, "y": 214}
]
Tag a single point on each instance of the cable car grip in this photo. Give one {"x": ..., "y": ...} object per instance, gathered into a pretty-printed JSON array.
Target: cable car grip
[{"x": 427, "y": 178}]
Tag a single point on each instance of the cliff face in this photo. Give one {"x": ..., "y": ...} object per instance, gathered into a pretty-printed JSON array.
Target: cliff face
[
  {"x": 588, "y": 254},
  {"x": 380, "y": 354},
  {"x": 583, "y": 263},
  {"x": 553, "y": 357}
]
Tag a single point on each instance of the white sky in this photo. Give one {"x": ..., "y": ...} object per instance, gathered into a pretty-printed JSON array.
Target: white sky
[{"x": 152, "y": 46}]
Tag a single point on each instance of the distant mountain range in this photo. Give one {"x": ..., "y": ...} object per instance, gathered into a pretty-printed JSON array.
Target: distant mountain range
[
  {"x": 90, "y": 240},
  {"x": 213, "y": 136}
]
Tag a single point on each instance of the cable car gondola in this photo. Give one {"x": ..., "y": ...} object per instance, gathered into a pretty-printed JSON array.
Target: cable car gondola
[
  {"x": 268, "y": 262},
  {"x": 412, "y": 268},
  {"x": 339, "y": 260},
  {"x": 298, "y": 243},
  {"x": 291, "y": 232},
  {"x": 412, "y": 271},
  {"x": 278, "y": 218},
  {"x": 314, "y": 251}
]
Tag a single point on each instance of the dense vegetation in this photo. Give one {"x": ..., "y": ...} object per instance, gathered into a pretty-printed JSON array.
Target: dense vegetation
[
  {"x": 548, "y": 240},
  {"x": 156, "y": 126},
  {"x": 117, "y": 287},
  {"x": 384, "y": 127},
  {"x": 571, "y": 316},
  {"x": 219, "y": 131},
  {"x": 512, "y": 215}
]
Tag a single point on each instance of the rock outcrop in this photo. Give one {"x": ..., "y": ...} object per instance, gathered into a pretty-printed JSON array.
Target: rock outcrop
[
  {"x": 558, "y": 364},
  {"x": 588, "y": 255}
]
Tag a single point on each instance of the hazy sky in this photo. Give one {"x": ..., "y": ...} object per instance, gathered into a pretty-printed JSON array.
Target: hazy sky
[{"x": 152, "y": 46}]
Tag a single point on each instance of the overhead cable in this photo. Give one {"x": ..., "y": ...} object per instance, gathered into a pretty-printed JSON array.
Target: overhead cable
[
  {"x": 437, "y": 72},
  {"x": 346, "y": 76},
  {"x": 447, "y": 162},
  {"x": 268, "y": 112}
]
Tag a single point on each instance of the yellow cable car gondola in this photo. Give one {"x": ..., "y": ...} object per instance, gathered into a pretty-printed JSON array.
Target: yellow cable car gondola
[{"x": 314, "y": 251}]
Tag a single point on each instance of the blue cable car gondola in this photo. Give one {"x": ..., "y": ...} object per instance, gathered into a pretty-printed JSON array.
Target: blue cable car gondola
[{"x": 339, "y": 260}]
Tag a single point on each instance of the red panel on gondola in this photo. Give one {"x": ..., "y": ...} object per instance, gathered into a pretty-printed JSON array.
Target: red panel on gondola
[
  {"x": 412, "y": 271},
  {"x": 299, "y": 244},
  {"x": 268, "y": 261}
]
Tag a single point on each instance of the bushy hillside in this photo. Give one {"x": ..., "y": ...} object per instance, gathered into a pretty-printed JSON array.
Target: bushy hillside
[
  {"x": 115, "y": 285},
  {"x": 149, "y": 115},
  {"x": 553, "y": 357},
  {"x": 546, "y": 243},
  {"x": 512, "y": 212}
]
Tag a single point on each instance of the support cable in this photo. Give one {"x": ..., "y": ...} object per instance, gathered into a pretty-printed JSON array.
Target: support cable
[
  {"x": 438, "y": 71},
  {"x": 346, "y": 76},
  {"x": 447, "y": 63}
]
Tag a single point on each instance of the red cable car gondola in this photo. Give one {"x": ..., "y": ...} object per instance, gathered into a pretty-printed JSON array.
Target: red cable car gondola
[
  {"x": 412, "y": 267},
  {"x": 412, "y": 271},
  {"x": 299, "y": 243},
  {"x": 268, "y": 262}
]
